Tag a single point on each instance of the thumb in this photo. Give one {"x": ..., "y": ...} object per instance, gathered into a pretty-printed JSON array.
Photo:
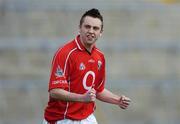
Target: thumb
[{"x": 93, "y": 90}]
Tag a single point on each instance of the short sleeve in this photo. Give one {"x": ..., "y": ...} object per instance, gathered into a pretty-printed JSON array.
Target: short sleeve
[
  {"x": 101, "y": 81},
  {"x": 58, "y": 78}
]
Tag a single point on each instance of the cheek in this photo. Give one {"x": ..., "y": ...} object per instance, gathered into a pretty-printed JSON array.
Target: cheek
[
  {"x": 83, "y": 31},
  {"x": 98, "y": 35}
]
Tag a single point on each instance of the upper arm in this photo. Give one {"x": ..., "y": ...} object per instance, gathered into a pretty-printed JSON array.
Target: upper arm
[
  {"x": 102, "y": 74},
  {"x": 58, "y": 76}
]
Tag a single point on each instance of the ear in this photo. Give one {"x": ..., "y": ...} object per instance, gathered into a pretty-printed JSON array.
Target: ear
[
  {"x": 100, "y": 33},
  {"x": 79, "y": 30}
]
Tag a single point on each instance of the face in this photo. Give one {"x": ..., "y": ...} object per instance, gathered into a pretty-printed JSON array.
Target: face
[{"x": 90, "y": 30}]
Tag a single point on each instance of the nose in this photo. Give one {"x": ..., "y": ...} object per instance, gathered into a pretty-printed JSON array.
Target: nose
[{"x": 91, "y": 30}]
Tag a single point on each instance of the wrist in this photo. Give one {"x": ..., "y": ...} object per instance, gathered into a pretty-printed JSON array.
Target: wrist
[{"x": 74, "y": 97}]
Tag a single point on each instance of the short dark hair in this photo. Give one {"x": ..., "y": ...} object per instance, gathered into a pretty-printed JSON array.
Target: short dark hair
[{"x": 92, "y": 13}]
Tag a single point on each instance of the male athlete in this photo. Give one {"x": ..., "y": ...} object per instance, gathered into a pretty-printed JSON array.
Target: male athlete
[{"x": 78, "y": 77}]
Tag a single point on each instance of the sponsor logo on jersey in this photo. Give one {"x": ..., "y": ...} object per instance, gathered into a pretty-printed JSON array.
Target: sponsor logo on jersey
[
  {"x": 82, "y": 66},
  {"x": 91, "y": 61},
  {"x": 59, "y": 82},
  {"x": 99, "y": 64},
  {"x": 59, "y": 72}
]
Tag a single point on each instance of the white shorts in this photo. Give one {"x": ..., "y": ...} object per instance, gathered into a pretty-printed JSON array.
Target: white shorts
[{"x": 89, "y": 120}]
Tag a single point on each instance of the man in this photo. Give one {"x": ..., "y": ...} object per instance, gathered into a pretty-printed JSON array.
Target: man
[{"x": 78, "y": 77}]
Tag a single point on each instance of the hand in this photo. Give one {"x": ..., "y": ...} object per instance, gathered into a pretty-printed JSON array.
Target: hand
[
  {"x": 90, "y": 96},
  {"x": 124, "y": 102}
]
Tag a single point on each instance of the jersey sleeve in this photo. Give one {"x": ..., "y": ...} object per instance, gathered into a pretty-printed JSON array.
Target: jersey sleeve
[
  {"x": 58, "y": 78},
  {"x": 101, "y": 83}
]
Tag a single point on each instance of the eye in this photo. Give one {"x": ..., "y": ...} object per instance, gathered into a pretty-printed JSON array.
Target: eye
[
  {"x": 96, "y": 28},
  {"x": 87, "y": 26}
]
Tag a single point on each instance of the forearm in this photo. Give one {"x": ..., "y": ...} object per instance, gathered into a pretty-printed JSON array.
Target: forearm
[
  {"x": 109, "y": 97},
  {"x": 64, "y": 95}
]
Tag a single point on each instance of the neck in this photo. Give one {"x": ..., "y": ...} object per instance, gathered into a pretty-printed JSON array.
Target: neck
[{"x": 89, "y": 49}]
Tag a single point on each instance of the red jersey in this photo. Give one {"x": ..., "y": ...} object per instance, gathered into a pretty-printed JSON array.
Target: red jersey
[{"x": 76, "y": 70}]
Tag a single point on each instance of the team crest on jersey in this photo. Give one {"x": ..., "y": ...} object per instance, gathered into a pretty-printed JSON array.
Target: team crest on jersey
[
  {"x": 59, "y": 72},
  {"x": 99, "y": 64},
  {"x": 82, "y": 66}
]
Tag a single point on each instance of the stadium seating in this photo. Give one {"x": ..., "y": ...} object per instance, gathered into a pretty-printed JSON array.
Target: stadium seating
[{"x": 140, "y": 41}]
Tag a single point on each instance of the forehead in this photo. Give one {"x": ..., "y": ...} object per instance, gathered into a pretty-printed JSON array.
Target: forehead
[{"x": 92, "y": 21}]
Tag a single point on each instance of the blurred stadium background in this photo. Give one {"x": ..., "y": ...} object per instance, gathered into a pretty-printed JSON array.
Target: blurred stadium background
[{"x": 140, "y": 41}]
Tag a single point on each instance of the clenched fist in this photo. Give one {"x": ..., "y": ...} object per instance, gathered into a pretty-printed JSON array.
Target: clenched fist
[
  {"x": 90, "y": 96},
  {"x": 124, "y": 102}
]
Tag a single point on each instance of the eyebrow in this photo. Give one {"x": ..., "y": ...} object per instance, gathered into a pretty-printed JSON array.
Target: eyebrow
[{"x": 94, "y": 27}]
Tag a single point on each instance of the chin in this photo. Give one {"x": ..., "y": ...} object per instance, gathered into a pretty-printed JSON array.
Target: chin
[{"x": 90, "y": 42}]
